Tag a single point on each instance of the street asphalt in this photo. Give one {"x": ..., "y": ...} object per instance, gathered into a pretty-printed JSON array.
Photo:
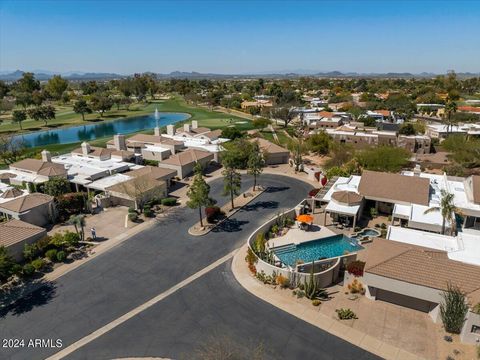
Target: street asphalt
[{"x": 211, "y": 310}]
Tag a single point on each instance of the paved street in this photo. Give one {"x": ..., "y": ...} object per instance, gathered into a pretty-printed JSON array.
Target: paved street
[{"x": 153, "y": 261}]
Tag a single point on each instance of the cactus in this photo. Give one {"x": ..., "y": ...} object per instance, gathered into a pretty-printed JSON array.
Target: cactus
[{"x": 311, "y": 290}]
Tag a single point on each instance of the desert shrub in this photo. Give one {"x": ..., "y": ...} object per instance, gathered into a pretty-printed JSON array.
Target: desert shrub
[
  {"x": 251, "y": 259},
  {"x": 28, "y": 269},
  {"x": 259, "y": 244},
  {"x": 71, "y": 238},
  {"x": 43, "y": 243},
  {"x": 356, "y": 268},
  {"x": 61, "y": 256},
  {"x": 476, "y": 309},
  {"x": 283, "y": 281},
  {"x": 38, "y": 264},
  {"x": 373, "y": 212},
  {"x": 58, "y": 240},
  {"x": 51, "y": 254},
  {"x": 345, "y": 314},
  {"x": 356, "y": 287},
  {"x": 453, "y": 309},
  {"x": 169, "y": 201},
  {"x": 131, "y": 210},
  {"x": 300, "y": 294},
  {"x": 316, "y": 302},
  {"x": 30, "y": 251},
  {"x": 133, "y": 216},
  {"x": 212, "y": 213},
  {"x": 147, "y": 211}
]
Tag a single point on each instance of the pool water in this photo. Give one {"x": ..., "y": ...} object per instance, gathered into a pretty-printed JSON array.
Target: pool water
[
  {"x": 366, "y": 232},
  {"x": 329, "y": 247}
]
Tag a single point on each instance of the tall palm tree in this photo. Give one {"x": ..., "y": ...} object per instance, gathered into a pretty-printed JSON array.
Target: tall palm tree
[
  {"x": 448, "y": 210},
  {"x": 78, "y": 221},
  {"x": 450, "y": 109}
]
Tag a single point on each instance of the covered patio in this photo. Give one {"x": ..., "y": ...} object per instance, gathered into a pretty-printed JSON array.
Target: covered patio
[{"x": 344, "y": 205}]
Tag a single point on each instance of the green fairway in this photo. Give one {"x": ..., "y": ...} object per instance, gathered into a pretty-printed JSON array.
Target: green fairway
[{"x": 66, "y": 117}]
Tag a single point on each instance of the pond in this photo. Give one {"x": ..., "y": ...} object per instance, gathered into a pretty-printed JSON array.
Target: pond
[{"x": 98, "y": 130}]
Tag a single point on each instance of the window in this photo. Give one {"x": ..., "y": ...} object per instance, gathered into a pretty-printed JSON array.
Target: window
[{"x": 475, "y": 329}]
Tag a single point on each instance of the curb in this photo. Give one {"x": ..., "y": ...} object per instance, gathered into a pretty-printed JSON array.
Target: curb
[{"x": 321, "y": 321}]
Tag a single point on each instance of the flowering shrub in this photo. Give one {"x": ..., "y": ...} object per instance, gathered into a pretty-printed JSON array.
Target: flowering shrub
[
  {"x": 212, "y": 212},
  {"x": 313, "y": 192},
  {"x": 356, "y": 268}
]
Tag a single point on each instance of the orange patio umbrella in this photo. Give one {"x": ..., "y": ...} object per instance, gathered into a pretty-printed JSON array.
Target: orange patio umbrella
[{"x": 305, "y": 218}]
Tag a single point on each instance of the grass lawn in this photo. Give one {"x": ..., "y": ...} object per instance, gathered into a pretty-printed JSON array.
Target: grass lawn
[{"x": 66, "y": 117}]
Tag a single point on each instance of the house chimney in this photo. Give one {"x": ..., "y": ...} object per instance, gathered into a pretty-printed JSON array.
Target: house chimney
[
  {"x": 170, "y": 130},
  {"x": 119, "y": 142},
  {"x": 194, "y": 124},
  {"x": 187, "y": 127},
  {"x": 417, "y": 170},
  {"x": 156, "y": 131},
  {"x": 85, "y": 148},
  {"x": 46, "y": 156}
]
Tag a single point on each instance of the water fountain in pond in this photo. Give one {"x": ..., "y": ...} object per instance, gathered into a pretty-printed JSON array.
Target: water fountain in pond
[{"x": 157, "y": 116}]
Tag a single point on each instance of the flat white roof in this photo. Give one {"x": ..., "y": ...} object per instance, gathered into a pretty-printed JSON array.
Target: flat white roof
[
  {"x": 105, "y": 182},
  {"x": 342, "y": 209},
  {"x": 155, "y": 148},
  {"x": 24, "y": 176},
  {"x": 402, "y": 210},
  {"x": 78, "y": 165},
  {"x": 469, "y": 251},
  {"x": 422, "y": 238}
]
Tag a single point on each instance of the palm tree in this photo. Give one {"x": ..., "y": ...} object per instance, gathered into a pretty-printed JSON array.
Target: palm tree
[
  {"x": 448, "y": 210},
  {"x": 450, "y": 109},
  {"x": 78, "y": 221}
]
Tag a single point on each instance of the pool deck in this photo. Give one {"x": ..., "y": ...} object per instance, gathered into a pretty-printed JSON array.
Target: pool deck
[{"x": 297, "y": 236}]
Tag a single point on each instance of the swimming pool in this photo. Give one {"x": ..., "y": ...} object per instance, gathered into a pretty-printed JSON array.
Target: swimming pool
[
  {"x": 366, "y": 232},
  {"x": 325, "y": 248}
]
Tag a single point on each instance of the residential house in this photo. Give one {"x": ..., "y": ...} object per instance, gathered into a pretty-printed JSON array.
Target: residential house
[
  {"x": 184, "y": 162},
  {"x": 245, "y": 105},
  {"x": 442, "y": 131},
  {"x": 274, "y": 154},
  {"x": 15, "y": 234},
  {"x": 416, "y": 277},
  {"x": 31, "y": 172},
  {"x": 37, "y": 209}
]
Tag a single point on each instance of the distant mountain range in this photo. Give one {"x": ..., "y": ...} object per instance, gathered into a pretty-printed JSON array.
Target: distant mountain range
[{"x": 43, "y": 75}]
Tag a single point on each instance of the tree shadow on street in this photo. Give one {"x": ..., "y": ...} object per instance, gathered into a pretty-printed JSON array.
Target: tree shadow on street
[
  {"x": 274, "y": 189},
  {"x": 25, "y": 298},
  {"x": 230, "y": 225},
  {"x": 260, "y": 205}
]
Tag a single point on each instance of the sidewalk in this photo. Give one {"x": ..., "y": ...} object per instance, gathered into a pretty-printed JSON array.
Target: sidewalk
[{"x": 312, "y": 315}]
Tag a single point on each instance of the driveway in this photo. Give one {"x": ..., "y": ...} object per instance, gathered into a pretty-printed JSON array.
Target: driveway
[{"x": 152, "y": 262}]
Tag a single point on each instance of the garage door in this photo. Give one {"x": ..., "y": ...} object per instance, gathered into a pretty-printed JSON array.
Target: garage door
[{"x": 406, "y": 301}]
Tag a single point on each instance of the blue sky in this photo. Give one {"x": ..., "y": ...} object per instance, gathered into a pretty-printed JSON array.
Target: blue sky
[{"x": 240, "y": 37}]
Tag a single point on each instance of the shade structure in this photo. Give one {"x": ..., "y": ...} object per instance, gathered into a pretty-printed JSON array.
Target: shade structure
[
  {"x": 348, "y": 198},
  {"x": 305, "y": 218}
]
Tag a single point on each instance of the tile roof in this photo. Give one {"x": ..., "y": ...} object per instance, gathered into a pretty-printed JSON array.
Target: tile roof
[
  {"x": 469, "y": 109},
  {"x": 7, "y": 175},
  {"x": 95, "y": 151},
  {"x": 27, "y": 202},
  {"x": 269, "y": 147},
  {"x": 395, "y": 187},
  {"x": 40, "y": 167},
  {"x": 154, "y": 172},
  {"x": 213, "y": 134},
  {"x": 11, "y": 193},
  {"x": 15, "y": 231},
  {"x": 421, "y": 266},
  {"x": 152, "y": 139},
  {"x": 136, "y": 186},
  {"x": 187, "y": 157},
  {"x": 383, "y": 112}
]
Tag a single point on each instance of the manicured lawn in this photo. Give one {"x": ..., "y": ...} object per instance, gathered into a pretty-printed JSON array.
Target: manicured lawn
[{"x": 66, "y": 117}]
